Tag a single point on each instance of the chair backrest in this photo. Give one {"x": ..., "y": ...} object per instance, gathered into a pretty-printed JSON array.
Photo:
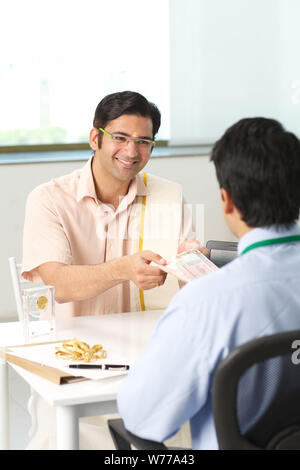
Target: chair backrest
[
  {"x": 221, "y": 252},
  {"x": 19, "y": 284},
  {"x": 258, "y": 384}
]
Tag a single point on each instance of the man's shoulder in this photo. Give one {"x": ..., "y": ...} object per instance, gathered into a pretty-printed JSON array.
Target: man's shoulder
[
  {"x": 232, "y": 278},
  {"x": 162, "y": 190},
  {"x": 245, "y": 277},
  {"x": 158, "y": 180},
  {"x": 64, "y": 183}
]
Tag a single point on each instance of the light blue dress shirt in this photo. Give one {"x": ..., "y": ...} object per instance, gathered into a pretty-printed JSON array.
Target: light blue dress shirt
[{"x": 257, "y": 294}]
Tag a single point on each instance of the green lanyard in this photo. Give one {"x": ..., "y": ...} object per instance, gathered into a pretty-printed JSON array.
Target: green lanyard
[{"x": 273, "y": 241}]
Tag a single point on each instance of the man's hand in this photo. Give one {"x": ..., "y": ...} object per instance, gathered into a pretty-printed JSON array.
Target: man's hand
[
  {"x": 75, "y": 282},
  {"x": 193, "y": 245},
  {"x": 141, "y": 273}
]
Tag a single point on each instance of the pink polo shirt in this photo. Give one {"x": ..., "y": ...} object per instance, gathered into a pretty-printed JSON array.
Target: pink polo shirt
[{"x": 66, "y": 223}]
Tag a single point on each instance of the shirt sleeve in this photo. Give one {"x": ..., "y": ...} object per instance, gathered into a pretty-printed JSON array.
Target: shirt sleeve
[
  {"x": 44, "y": 238},
  {"x": 170, "y": 381}
]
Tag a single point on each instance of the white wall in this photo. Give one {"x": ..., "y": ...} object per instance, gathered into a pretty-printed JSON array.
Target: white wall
[
  {"x": 195, "y": 173},
  {"x": 230, "y": 60}
]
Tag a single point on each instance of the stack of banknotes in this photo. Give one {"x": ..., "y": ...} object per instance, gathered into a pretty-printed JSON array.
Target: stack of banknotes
[{"x": 189, "y": 265}]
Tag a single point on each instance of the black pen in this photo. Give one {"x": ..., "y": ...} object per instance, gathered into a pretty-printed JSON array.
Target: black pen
[{"x": 100, "y": 366}]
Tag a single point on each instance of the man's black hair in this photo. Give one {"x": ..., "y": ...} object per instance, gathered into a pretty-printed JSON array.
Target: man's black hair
[
  {"x": 258, "y": 163},
  {"x": 126, "y": 102}
]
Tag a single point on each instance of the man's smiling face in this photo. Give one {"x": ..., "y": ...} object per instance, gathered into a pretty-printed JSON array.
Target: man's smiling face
[{"x": 123, "y": 162}]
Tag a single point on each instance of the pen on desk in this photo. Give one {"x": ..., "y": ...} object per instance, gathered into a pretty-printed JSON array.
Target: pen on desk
[{"x": 100, "y": 366}]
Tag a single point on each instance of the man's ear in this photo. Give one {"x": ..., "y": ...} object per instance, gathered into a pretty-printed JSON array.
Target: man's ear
[
  {"x": 227, "y": 202},
  {"x": 93, "y": 140}
]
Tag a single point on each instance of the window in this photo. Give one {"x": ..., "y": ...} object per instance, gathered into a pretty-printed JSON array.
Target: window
[
  {"x": 205, "y": 63},
  {"x": 61, "y": 58}
]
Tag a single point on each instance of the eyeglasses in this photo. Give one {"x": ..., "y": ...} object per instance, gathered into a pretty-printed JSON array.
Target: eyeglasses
[{"x": 122, "y": 140}]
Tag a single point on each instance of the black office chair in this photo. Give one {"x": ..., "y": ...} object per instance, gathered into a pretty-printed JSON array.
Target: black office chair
[
  {"x": 221, "y": 252},
  {"x": 268, "y": 363},
  {"x": 123, "y": 439},
  {"x": 276, "y": 426}
]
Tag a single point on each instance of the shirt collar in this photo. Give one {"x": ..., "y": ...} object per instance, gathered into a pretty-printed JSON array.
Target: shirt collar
[
  {"x": 266, "y": 233},
  {"x": 86, "y": 185}
]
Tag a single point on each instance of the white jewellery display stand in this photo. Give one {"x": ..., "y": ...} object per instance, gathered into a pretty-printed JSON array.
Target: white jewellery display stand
[{"x": 39, "y": 312}]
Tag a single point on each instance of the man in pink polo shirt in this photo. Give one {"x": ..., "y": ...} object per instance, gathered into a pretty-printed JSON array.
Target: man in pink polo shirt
[
  {"x": 89, "y": 233},
  {"x": 82, "y": 232}
]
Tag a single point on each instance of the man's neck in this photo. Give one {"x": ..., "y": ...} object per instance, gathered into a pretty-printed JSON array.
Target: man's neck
[
  {"x": 242, "y": 231},
  {"x": 108, "y": 189},
  {"x": 236, "y": 225}
]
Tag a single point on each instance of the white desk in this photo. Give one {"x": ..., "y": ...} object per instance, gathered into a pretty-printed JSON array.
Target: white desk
[{"x": 126, "y": 333}]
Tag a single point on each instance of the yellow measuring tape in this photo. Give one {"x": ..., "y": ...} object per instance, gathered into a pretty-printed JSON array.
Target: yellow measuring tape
[{"x": 141, "y": 239}]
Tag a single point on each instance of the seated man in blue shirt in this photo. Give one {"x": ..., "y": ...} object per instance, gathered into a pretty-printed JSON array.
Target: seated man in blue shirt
[{"x": 258, "y": 169}]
